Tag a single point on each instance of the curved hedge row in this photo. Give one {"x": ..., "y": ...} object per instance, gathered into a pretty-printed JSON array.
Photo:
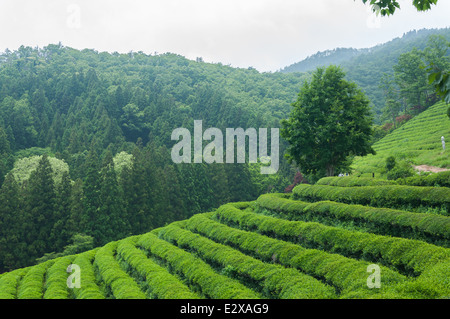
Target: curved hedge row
[
  {"x": 89, "y": 288},
  {"x": 350, "y": 181},
  {"x": 435, "y": 180},
  {"x": 32, "y": 284},
  {"x": 197, "y": 272},
  {"x": 9, "y": 283},
  {"x": 412, "y": 255},
  {"x": 346, "y": 274},
  {"x": 439, "y": 276},
  {"x": 275, "y": 280},
  {"x": 56, "y": 283},
  {"x": 118, "y": 281},
  {"x": 393, "y": 196},
  {"x": 380, "y": 220},
  {"x": 161, "y": 284}
]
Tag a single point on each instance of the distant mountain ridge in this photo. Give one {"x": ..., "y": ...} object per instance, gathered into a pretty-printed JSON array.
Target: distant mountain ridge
[
  {"x": 366, "y": 66},
  {"x": 321, "y": 58},
  {"x": 345, "y": 56}
]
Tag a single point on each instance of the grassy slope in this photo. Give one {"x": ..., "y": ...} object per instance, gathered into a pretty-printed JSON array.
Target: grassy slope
[{"x": 417, "y": 141}]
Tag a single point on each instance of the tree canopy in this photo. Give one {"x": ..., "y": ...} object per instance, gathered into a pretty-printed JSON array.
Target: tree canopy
[
  {"x": 388, "y": 7},
  {"x": 329, "y": 122}
]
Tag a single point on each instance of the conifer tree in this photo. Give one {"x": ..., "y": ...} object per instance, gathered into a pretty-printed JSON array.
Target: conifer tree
[
  {"x": 40, "y": 208},
  {"x": 111, "y": 221},
  {"x": 91, "y": 191},
  {"x": 60, "y": 235},
  {"x": 12, "y": 252}
]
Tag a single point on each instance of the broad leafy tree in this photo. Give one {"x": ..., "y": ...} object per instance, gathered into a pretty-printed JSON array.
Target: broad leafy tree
[{"x": 329, "y": 122}]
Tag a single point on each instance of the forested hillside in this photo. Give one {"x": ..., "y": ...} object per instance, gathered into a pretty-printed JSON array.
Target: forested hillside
[
  {"x": 366, "y": 67},
  {"x": 102, "y": 124}
]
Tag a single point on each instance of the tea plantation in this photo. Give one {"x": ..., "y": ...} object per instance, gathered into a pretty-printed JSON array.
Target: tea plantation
[
  {"x": 417, "y": 142},
  {"x": 320, "y": 242}
]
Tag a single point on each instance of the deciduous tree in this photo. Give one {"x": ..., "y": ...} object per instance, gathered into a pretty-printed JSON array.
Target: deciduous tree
[{"x": 329, "y": 122}]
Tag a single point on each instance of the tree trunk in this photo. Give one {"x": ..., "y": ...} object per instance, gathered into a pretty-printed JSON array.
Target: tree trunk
[{"x": 330, "y": 170}]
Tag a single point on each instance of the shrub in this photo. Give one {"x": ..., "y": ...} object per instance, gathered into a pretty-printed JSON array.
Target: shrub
[
  {"x": 393, "y": 196},
  {"x": 379, "y": 220},
  {"x": 400, "y": 170},
  {"x": 441, "y": 179},
  {"x": 275, "y": 280},
  {"x": 344, "y": 273},
  {"x": 197, "y": 272},
  {"x": 390, "y": 163},
  {"x": 398, "y": 252},
  {"x": 89, "y": 288},
  {"x": 161, "y": 283}
]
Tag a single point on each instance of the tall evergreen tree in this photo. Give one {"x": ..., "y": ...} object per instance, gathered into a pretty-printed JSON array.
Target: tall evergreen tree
[
  {"x": 139, "y": 196},
  {"x": 40, "y": 208},
  {"x": 112, "y": 223},
  {"x": 91, "y": 191},
  {"x": 76, "y": 212},
  {"x": 12, "y": 253},
  {"x": 60, "y": 235}
]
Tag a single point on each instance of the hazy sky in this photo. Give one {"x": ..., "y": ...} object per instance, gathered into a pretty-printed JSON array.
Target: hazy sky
[{"x": 265, "y": 34}]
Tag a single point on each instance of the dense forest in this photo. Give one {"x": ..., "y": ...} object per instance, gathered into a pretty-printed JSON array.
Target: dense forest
[{"x": 85, "y": 140}]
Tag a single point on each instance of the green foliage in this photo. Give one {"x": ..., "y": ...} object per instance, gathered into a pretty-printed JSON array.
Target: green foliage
[
  {"x": 56, "y": 279},
  {"x": 89, "y": 288},
  {"x": 195, "y": 271},
  {"x": 391, "y": 196},
  {"x": 400, "y": 170},
  {"x": 390, "y": 163},
  {"x": 122, "y": 159},
  {"x": 9, "y": 283},
  {"x": 404, "y": 254},
  {"x": 385, "y": 221},
  {"x": 80, "y": 243},
  {"x": 159, "y": 282},
  {"x": 108, "y": 118},
  {"x": 32, "y": 284},
  {"x": 329, "y": 122},
  {"x": 276, "y": 281},
  {"x": 417, "y": 141},
  {"x": 348, "y": 181},
  {"x": 388, "y": 7},
  {"x": 369, "y": 68},
  {"x": 441, "y": 179},
  {"x": 343, "y": 273},
  {"x": 115, "y": 279},
  {"x": 25, "y": 166},
  {"x": 237, "y": 251}
]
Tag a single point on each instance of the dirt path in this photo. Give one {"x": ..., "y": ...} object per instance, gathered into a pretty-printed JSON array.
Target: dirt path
[{"x": 427, "y": 168}]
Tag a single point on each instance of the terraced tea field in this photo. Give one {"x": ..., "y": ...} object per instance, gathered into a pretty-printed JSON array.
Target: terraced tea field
[
  {"x": 417, "y": 141},
  {"x": 319, "y": 242}
]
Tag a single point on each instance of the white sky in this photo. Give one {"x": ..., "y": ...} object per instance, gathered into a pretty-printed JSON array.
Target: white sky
[{"x": 265, "y": 34}]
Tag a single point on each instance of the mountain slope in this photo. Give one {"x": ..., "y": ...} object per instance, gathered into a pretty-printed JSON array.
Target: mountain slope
[
  {"x": 418, "y": 141},
  {"x": 366, "y": 66}
]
